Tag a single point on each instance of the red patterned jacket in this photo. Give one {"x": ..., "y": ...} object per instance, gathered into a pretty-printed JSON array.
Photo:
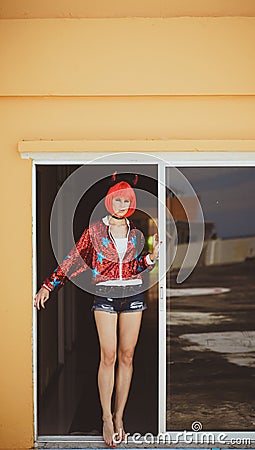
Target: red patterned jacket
[{"x": 95, "y": 250}]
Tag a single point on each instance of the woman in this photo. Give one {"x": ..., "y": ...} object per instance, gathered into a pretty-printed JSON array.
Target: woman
[{"x": 111, "y": 249}]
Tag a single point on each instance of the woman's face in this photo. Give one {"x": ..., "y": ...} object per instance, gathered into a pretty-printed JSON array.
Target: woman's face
[{"x": 120, "y": 206}]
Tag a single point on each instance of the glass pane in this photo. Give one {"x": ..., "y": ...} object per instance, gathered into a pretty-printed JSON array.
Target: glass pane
[{"x": 210, "y": 315}]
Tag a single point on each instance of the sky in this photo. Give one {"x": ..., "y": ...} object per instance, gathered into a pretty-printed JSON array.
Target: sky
[{"x": 227, "y": 197}]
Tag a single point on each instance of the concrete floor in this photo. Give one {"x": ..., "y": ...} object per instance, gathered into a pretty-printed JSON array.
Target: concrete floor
[{"x": 211, "y": 352}]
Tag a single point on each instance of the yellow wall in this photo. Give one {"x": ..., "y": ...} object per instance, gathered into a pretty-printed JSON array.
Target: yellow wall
[
  {"x": 191, "y": 56},
  {"x": 101, "y": 79}
]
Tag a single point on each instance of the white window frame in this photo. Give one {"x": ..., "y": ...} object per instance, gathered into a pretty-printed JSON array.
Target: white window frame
[{"x": 182, "y": 153}]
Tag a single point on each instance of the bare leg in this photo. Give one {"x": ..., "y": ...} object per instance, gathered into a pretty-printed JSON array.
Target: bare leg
[
  {"x": 129, "y": 326},
  {"x": 106, "y": 326}
]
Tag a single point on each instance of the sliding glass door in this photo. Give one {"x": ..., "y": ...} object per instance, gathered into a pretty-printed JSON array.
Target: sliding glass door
[
  {"x": 194, "y": 363},
  {"x": 210, "y": 315}
]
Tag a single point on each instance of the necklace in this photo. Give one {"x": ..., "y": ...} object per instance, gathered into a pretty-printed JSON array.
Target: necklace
[{"x": 118, "y": 218}]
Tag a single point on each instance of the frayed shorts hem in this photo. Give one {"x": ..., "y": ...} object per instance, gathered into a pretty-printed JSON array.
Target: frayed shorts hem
[{"x": 97, "y": 308}]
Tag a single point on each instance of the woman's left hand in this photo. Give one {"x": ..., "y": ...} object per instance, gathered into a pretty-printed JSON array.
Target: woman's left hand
[{"x": 155, "y": 248}]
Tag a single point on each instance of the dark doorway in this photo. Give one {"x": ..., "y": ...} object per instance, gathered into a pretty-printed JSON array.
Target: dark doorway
[{"x": 68, "y": 350}]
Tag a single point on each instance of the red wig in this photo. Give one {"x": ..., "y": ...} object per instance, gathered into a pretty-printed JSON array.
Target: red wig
[{"x": 121, "y": 189}]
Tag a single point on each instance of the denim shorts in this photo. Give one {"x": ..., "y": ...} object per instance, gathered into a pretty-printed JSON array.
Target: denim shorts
[{"x": 119, "y": 299}]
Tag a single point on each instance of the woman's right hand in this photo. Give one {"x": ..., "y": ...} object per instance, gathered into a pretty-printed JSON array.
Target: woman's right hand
[{"x": 41, "y": 297}]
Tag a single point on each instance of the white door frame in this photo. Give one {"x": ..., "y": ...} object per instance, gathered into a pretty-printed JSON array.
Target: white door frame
[
  {"x": 121, "y": 158},
  {"x": 133, "y": 152}
]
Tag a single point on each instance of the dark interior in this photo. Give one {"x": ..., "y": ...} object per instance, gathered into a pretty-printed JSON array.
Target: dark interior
[{"x": 68, "y": 349}]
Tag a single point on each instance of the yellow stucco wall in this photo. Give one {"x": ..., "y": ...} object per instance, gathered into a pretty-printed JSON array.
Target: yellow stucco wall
[
  {"x": 101, "y": 79},
  {"x": 191, "y": 56}
]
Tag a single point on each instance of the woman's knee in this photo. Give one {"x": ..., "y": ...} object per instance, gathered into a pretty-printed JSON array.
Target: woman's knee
[
  {"x": 108, "y": 357},
  {"x": 125, "y": 356}
]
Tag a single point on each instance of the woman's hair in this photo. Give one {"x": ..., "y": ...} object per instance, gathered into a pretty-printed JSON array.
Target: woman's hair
[{"x": 122, "y": 189}]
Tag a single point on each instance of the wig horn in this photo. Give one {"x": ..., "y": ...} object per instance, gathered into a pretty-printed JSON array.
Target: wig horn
[
  {"x": 114, "y": 175},
  {"x": 135, "y": 180}
]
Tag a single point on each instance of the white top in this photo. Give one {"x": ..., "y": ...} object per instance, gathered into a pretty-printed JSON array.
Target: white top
[{"x": 121, "y": 246}]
